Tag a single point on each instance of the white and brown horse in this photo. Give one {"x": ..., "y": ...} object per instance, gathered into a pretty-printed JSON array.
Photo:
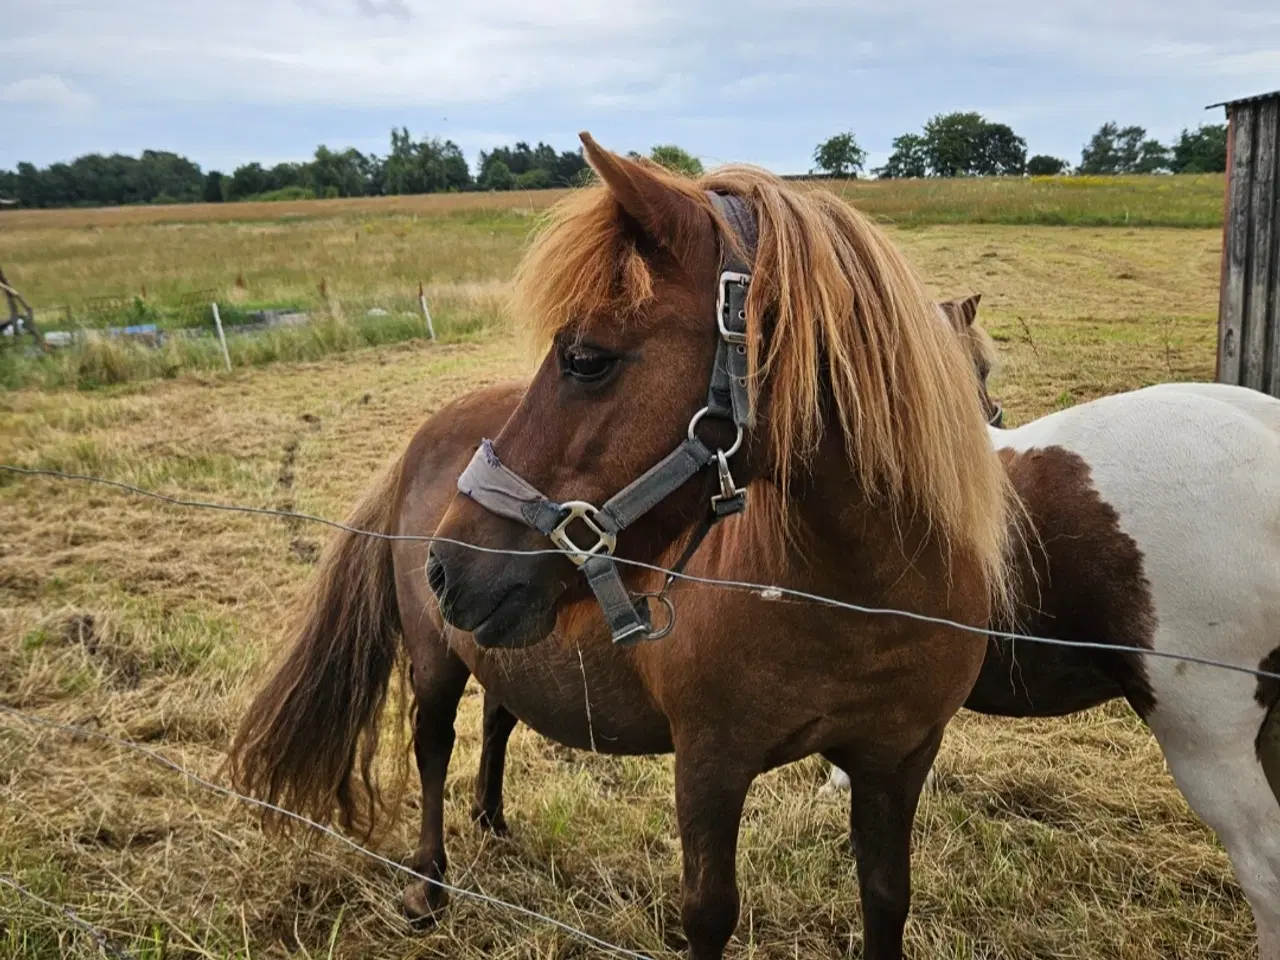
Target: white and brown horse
[{"x": 1158, "y": 516}]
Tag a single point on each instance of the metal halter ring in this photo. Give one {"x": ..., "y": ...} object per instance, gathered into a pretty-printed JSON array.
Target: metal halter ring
[
  {"x": 663, "y": 599},
  {"x": 605, "y": 543},
  {"x": 693, "y": 427}
]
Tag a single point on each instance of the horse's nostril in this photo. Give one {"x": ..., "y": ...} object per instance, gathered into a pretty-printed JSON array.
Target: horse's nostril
[{"x": 436, "y": 578}]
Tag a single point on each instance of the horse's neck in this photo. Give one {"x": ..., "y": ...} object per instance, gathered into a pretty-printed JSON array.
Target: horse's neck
[{"x": 834, "y": 541}]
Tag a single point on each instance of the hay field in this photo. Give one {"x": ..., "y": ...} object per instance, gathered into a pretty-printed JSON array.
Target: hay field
[{"x": 1061, "y": 839}]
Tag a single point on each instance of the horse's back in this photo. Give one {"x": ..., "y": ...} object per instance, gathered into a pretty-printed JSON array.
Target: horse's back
[{"x": 1193, "y": 474}]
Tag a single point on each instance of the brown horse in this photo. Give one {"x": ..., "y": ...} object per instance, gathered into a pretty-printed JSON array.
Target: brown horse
[
  {"x": 868, "y": 474},
  {"x": 499, "y": 722}
]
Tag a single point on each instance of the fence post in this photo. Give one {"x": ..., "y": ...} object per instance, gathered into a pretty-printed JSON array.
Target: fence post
[
  {"x": 217, "y": 322},
  {"x": 422, "y": 299}
]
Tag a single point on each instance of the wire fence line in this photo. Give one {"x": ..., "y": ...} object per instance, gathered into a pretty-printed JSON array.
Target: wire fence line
[
  {"x": 98, "y": 936},
  {"x": 159, "y": 758},
  {"x": 767, "y": 591}
]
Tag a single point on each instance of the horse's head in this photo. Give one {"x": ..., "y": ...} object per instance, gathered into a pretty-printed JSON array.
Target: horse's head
[
  {"x": 701, "y": 335},
  {"x": 621, "y": 285},
  {"x": 961, "y": 314}
]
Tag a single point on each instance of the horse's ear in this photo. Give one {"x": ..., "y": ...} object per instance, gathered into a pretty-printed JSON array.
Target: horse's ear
[
  {"x": 969, "y": 309},
  {"x": 663, "y": 213},
  {"x": 953, "y": 313}
]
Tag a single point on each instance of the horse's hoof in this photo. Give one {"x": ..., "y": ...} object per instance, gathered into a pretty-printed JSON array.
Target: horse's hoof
[
  {"x": 423, "y": 903},
  {"x": 490, "y": 821}
]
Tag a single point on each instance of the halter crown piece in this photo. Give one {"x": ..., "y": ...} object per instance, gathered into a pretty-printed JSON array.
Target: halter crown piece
[{"x": 502, "y": 491}]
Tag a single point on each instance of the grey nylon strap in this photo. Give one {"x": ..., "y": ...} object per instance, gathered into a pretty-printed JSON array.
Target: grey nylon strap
[
  {"x": 628, "y": 619},
  {"x": 656, "y": 484},
  {"x": 504, "y": 492}
]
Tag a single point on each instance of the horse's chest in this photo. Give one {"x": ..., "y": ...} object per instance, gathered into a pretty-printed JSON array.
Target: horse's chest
[{"x": 572, "y": 697}]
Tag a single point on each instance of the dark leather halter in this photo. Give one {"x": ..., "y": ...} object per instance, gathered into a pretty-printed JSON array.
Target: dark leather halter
[{"x": 500, "y": 490}]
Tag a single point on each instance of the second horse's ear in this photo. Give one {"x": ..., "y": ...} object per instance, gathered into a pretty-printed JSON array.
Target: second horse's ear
[
  {"x": 664, "y": 213},
  {"x": 969, "y": 308}
]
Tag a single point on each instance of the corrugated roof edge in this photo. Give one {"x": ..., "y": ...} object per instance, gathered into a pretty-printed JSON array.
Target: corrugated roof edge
[{"x": 1254, "y": 99}]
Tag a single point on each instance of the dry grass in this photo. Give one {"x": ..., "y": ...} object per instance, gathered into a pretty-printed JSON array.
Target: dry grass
[{"x": 1062, "y": 839}]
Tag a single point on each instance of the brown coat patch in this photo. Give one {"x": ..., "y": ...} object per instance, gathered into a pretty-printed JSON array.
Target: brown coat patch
[
  {"x": 1268, "y": 742},
  {"x": 1088, "y": 586}
]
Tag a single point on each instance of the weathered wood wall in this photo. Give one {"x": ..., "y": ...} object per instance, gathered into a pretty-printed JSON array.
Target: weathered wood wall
[{"x": 1249, "y": 308}]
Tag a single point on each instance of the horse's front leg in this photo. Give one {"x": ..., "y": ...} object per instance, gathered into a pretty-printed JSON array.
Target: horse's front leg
[
  {"x": 439, "y": 678},
  {"x": 709, "y": 800},
  {"x": 498, "y": 724},
  {"x": 884, "y": 794}
]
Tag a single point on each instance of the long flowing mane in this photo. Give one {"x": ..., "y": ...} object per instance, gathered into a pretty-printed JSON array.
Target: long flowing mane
[{"x": 853, "y": 343}]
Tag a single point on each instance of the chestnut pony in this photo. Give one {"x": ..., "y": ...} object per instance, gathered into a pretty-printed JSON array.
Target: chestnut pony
[{"x": 868, "y": 476}]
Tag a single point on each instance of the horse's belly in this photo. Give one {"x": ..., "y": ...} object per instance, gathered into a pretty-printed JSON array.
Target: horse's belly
[{"x": 594, "y": 703}]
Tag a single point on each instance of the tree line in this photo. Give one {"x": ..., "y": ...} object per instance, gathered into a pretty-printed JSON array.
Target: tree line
[
  {"x": 426, "y": 165},
  {"x": 968, "y": 144},
  {"x": 949, "y": 145}
]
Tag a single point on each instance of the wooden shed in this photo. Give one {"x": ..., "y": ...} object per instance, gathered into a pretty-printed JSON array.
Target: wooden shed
[{"x": 1249, "y": 299}]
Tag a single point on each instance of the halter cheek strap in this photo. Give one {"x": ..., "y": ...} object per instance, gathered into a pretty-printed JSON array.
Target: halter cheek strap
[{"x": 502, "y": 491}]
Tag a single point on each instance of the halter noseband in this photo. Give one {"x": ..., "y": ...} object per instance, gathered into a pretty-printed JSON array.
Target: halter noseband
[{"x": 502, "y": 491}]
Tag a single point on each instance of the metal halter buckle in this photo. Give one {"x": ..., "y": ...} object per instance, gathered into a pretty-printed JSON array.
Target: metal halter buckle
[
  {"x": 722, "y": 300},
  {"x": 605, "y": 543}
]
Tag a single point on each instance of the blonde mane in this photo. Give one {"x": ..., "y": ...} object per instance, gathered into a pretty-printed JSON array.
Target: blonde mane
[{"x": 852, "y": 331}]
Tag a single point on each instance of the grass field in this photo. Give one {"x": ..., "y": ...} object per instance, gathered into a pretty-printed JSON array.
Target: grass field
[{"x": 1061, "y": 839}]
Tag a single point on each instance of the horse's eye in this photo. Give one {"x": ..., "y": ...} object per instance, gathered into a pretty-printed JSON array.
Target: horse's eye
[{"x": 586, "y": 365}]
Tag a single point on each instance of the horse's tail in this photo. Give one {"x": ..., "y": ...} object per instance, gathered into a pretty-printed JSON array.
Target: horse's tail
[{"x": 308, "y": 739}]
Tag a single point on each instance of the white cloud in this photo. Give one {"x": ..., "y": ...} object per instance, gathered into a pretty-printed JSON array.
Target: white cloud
[
  {"x": 743, "y": 79},
  {"x": 45, "y": 90},
  {"x": 354, "y": 52}
]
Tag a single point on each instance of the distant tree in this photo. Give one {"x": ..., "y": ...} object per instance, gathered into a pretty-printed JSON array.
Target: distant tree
[
  {"x": 247, "y": 180},
  {"x": 8, "y": 185},
  {"x": 1201, "y": 151},
  {"x": 840, "y": 155},
  {"x": 345, "y": 172},
  {"x": 1042, "y": 165},
  {"x": 30, "y": 186},
  {"x": 285, "y": 175},
  {"x": 569, "y": 167},
  {"x": 162, "y": 172},
  {"x": 1153, "y": 157},
  {"x": 907, "y": 160},
  {"x": 676, "y": 159},
  {"x": 521, "y": 161},
  {"x": 212, "y": 192},
  {"x": 426, "y": 166},
  {"x": 535, "y": 178},
  {"x": 967, "y": 144},
  {"x": 1115, "y": 149},
  {"x": 497, "y": 176}
]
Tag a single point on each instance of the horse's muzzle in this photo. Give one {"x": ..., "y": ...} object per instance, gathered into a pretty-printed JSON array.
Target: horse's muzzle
[{"x": 492, "y": 597}]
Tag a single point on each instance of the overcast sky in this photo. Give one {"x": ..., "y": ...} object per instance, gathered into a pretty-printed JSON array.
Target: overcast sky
[{"x": 753, "y": 80}]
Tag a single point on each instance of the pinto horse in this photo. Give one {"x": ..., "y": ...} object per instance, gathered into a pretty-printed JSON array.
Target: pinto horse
[
  {"x": 789, "y": 356},
  {"x": 1158, "y": 512}
]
